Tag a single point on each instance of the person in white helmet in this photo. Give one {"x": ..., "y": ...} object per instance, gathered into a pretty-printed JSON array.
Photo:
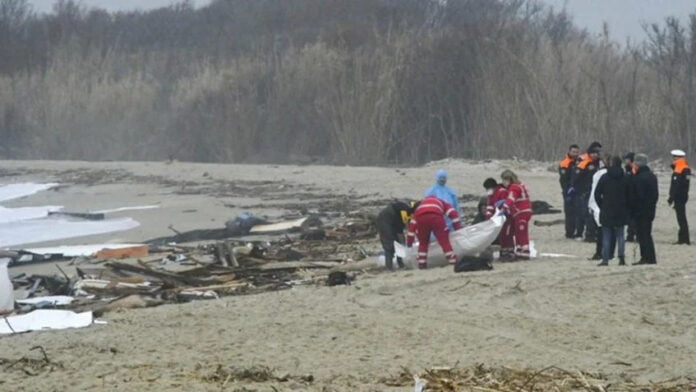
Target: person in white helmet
[{"x": 679, "y": 194}]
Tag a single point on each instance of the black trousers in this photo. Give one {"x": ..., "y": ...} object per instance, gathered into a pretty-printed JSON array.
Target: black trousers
[
  {"x": 580, "y": 209},
  {"x": 570, "y": 217},
  {"x": 387, "y": 238},
  {"x": 680, "y": 208},
  {"x": 645, "y": 240}
]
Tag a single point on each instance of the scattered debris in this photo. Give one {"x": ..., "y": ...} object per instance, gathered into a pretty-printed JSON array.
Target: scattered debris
[
  {"x": 482, "y": 378},
  {"x": 258, "y": 374},
  {"x": 338, "y": 278},
  {"x": 549, "y": 223},
  {"x": 137, "y": 276},
  {"x": 123, "y": 253},
  {"x": 31, "y": 366},
  {"x": 79, "y": 215}
]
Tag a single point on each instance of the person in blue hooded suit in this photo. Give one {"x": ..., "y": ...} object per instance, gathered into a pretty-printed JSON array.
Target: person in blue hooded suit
[{"x": 444, "y": 193}]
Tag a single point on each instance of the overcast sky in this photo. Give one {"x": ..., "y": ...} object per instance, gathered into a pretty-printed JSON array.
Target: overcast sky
[{"x": 623, "y": 16}]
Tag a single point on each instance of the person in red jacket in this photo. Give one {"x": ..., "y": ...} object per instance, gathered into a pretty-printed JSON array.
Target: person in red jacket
[
  {"x": 496, "y": 192},
  {"x": 514, "y": 242},
  {"x": 428, "y": 218}
]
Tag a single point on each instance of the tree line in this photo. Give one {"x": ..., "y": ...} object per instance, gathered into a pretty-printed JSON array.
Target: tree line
[{"x": 335, "y": 81}]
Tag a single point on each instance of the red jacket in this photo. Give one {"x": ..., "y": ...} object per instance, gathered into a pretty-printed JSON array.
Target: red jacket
[
  {"x": 501, "y": 193},
  {"x": 431, "y": 205},
  {"x": 518, "y": 200}
]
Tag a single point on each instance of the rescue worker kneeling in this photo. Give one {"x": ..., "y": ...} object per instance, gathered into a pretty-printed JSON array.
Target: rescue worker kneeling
[{"x": 429, "y": 218}]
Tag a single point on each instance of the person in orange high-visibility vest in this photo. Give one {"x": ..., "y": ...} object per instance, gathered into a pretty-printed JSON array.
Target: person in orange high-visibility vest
[
  {"x": 580, "y": 188},
  {"x": 679, "y": 194},
  {"x": 565, "y": 173}
]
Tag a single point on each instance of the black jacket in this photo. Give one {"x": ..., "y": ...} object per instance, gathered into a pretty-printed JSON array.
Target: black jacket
[
  {"x": 389, "y": 221},
  {"x": 679, "y": 187},
  {"x": 581, "y": 178},
  {"x": 612, "y": 195},
  {"x": 644, "y": 194},
  {"x": 565, "y": 173}
]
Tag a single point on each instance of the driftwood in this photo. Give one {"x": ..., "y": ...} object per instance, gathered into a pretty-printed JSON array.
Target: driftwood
[{"x": 173, "y": 280}]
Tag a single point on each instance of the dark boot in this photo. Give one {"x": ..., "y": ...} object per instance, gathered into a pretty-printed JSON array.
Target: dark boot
[
  {"x": 400, "y": 262},
  {"x": 622, "y": 260},
  {"x": 595, "y": 257},
  {"x": 603, "y": 264}
]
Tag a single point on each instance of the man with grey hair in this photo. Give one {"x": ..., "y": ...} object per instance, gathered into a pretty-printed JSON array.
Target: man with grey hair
[{"x": 644, "y": 193}]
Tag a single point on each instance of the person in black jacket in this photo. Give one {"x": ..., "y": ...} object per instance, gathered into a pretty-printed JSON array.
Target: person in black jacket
[
  {"x": 611, "y": 195},
  {"x": 644, "y": 194},
  {"x": 679, "y": 194},
  {"x": 580, "y": 189},
  {"x": 565, "y": 173},
  {"x": 631, "y": 170},
  {"x": 391, "y": 222}
]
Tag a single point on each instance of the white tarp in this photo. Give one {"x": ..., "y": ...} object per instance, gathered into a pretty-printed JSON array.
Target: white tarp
[
  {"x": 15, "y": 191},
  {"x": 276, "y": 227},
  {"x": 51, "y": 229},
  {"x": 55, "y": 300},
  {"x": 6, "y": 289},
  {"x": 77, "y": 250},
  {"x": 469, "y": 241},
  {"x": 45, "y": 319}
]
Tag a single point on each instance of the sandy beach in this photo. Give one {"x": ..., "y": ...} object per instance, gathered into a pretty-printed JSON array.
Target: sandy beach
[{"x": 630, "y": 323}]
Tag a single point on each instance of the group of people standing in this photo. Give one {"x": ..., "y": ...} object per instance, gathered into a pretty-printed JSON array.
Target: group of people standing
[
  {"x": 439, "y": 213},
  {"x": 604, "y": 195}
]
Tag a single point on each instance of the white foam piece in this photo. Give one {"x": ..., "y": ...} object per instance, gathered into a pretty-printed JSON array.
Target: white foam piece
[
  {"x": 76, "y": 250},
  {"x": 15, "y": 191},
  {"x": 51, "y": 229},
  {"x": 134, "y": 208},
  {"x": 56, "y": 300},
  {"x": 45, "y": 319},
  {"x": 24, "y": 213}
]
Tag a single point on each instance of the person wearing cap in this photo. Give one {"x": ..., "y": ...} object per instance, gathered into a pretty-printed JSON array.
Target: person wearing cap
[
  {"x": 444, "y": 193},
  {"x": 679, "y": 194},
  {"x": 391, "y": 223},
  {"x": 643, "y": 196},
  {"x": 581, "y": 185},
  {"x": 565, "y": 172},
  {"x": 631, "y": 169}
]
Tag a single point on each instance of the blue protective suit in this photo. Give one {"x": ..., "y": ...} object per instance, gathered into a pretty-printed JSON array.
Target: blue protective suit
[{"x": 445, "y": 193}]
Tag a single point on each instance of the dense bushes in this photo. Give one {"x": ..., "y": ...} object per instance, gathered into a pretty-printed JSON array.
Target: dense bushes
[{"x": 336, "y": 81}]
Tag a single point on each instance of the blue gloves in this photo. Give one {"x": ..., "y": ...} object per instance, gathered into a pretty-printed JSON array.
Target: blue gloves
[{"x": 499, "y": 203}]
